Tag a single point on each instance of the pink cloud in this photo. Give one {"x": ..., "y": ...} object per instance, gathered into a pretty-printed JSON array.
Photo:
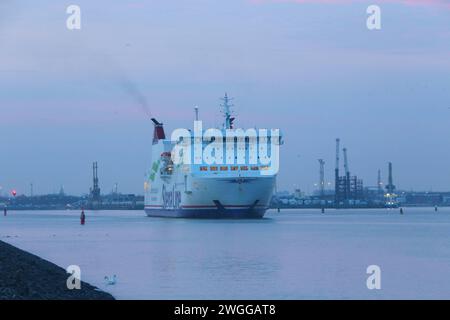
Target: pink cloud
[{"x": 444, "y": 3}]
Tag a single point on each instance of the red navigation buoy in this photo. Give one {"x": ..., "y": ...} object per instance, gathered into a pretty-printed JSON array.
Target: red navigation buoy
[
  {"x": 82, "y": 217},
  {"x": 14, "y": 193}
]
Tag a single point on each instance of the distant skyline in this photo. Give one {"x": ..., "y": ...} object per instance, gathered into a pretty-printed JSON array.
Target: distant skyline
[{"x": 310, "y": 68}]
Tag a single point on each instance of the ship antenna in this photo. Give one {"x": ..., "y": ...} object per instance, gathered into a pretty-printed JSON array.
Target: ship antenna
[{"x": 226, "y": 106}]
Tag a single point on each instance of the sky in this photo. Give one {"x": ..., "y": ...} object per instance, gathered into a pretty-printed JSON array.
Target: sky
[{"x": 310, "y": 68}]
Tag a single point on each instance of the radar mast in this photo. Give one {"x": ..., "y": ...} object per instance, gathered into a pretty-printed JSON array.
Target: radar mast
[{"x": 226, "y": 109}]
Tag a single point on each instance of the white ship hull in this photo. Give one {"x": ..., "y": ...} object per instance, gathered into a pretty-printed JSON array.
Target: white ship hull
[{"x": 230, "y": 197}]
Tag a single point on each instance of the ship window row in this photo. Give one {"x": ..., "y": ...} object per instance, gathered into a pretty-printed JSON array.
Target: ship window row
[
  {"x": 236, "y": 139},
  {"x": 232, "y": 168},
  {"x": 207, "y": 139}
]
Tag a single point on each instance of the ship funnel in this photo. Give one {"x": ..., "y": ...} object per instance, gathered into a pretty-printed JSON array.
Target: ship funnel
[{"x": 158, "y": 132}]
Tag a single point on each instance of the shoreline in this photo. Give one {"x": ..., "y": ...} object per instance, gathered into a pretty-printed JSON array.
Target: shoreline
[{"x": 24, "y": 276}]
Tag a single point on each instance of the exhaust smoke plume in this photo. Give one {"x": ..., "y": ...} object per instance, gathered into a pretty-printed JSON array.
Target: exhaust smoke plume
[{"x": 133, "y": 90}]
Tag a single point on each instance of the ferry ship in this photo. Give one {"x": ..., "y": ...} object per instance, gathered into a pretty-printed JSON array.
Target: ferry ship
[{"x": 196, "y": 187}]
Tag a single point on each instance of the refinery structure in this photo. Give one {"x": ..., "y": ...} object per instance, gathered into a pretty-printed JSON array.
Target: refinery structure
[
  {"x": 349, "y": 191},
  {"x": 348, "y": 188}
]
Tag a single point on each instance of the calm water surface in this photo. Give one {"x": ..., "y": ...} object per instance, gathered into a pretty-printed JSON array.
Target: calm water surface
[{"x": 295, "y": 254}]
